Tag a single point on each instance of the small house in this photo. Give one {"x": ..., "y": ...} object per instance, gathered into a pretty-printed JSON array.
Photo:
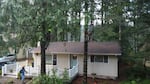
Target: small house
[{"x": 102, "y": 58}]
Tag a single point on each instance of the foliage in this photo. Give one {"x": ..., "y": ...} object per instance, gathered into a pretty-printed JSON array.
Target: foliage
[
  {"x": 8, "y": 26},
  {"x": 104, "y": 34},
  {"x": 10, "y": 81},
  {"x": 143, "y": 81},
  {"x": 120, "y": 20},
  {"x": 136, "y": 72},
  {"x": 34, "y": 20},
  {"x": 18, "y": 75},
  {"x": 65, "y": 77},
  {"x": 53, "y": 79},
  {"x": 0, "y": 72},
  {"x": 45, "y": 79},
  {"x": 136, "y": 68},
  {"x": 28, "y": 24}
]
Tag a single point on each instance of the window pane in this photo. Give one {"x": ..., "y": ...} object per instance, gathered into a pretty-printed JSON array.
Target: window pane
[
  {"x": 92, "y": 58},
  {"x": 98, "y": 58},
  {"x": 54, "y": 59},
  {"x": 105, "y": 59},
  {"x": 48, "y": 59}
]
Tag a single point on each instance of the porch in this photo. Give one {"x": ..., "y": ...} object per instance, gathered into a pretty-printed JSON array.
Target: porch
[{"x": 12, "y": 70}]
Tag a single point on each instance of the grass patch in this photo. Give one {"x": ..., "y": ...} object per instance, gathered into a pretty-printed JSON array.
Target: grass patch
[{"x": 136, "y": 81}]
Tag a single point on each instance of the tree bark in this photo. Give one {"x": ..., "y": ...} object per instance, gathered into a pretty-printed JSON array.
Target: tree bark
[
  {"x": 43, "y": 44},
  {"x": 43, "y": 40},
  {"x": 43, "y": 68}
]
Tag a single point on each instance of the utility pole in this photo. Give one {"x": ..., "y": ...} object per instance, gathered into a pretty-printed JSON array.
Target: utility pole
[
  {"x": 85, "y": 45},
  {"x": 85, "y": 56}
]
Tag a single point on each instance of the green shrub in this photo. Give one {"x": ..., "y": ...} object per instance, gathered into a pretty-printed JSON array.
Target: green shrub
[
  {"x": 146, "y": 81},
  {"x": 0, "y": 72},
  {"x": 18, "y": 75},
  {"x": 136, "y": 81},
  {"x": 10, "y": 81},
  {"x": 136, "y": 72},
  {"x": 46, "y": 79},
  {"x": 65, "y": 76}
]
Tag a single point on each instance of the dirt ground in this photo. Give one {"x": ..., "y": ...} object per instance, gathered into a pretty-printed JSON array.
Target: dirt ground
[
  {"x": 7, "y": 80},
  {"x": 79, "y": 80}
]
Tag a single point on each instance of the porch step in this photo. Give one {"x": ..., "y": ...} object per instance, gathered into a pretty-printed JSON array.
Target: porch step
[{"x": 10, "y": 75}]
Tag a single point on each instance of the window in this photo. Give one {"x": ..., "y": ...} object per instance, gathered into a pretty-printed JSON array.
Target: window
[
  {"x": 49, "y": 59},
  {"x": 105, "y": 59},
  {"x": 92, "y": 58},
  {"x": 54, "y": 59},
  {"x": 98, "y": 58},
  {"x": 73, "y": 60}
]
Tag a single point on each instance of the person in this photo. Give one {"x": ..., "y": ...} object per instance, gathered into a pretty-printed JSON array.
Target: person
[{"x": 22, "y": 74}]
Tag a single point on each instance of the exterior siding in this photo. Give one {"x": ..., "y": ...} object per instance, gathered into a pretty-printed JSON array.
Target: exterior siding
[
  {"x": 104, "y": 69},
  {"x": 80, "y": 62},
  {"x": 63, "y": 61},
  {"x": 109, "y": 69},
  {"x": 37, "y": 60},
  {"x": 23, "y": 63},
  {"x": 20, "y": 54},
  {"x": 101, "y": 70}
]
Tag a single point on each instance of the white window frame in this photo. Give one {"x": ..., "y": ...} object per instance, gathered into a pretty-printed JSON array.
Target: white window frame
[
  {"x": 51, "y": 61},
  {"x": 94, "y": 58}
]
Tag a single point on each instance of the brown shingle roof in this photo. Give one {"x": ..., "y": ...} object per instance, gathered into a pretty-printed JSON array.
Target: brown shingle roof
[{"x": 94, "y": 48}]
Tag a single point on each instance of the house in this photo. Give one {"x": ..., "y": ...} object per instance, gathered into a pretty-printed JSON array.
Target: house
[{"x": 102, "y": 58}]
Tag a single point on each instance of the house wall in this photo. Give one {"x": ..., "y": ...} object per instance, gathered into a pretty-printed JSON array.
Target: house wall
[
  {"x": 37, "y": 60},
  {"x": 63, "y": 61},
  {"x": 102, "y": 70},
  {"x": 80, "y": 62},
  {"x": 22, "y": 63},
  {"x": 109, "y": 69},
  {"x": 20, "y": 54}
]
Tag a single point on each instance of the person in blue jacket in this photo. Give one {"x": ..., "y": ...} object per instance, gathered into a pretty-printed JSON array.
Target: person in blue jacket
[{"x": 22, "y": 74}]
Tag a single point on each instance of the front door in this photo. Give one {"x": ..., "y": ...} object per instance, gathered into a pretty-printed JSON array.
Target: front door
[{"x": 73, "y": 60}]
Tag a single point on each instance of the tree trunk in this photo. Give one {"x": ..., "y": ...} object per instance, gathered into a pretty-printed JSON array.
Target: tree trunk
[
  {"x": 43, "y": 44},
  {"x": 43, "y": 39},
  {"x": 43, "y": 68}
]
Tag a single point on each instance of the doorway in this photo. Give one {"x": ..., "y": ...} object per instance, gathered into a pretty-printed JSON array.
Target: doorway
[{"x": 73, "y": 60}]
